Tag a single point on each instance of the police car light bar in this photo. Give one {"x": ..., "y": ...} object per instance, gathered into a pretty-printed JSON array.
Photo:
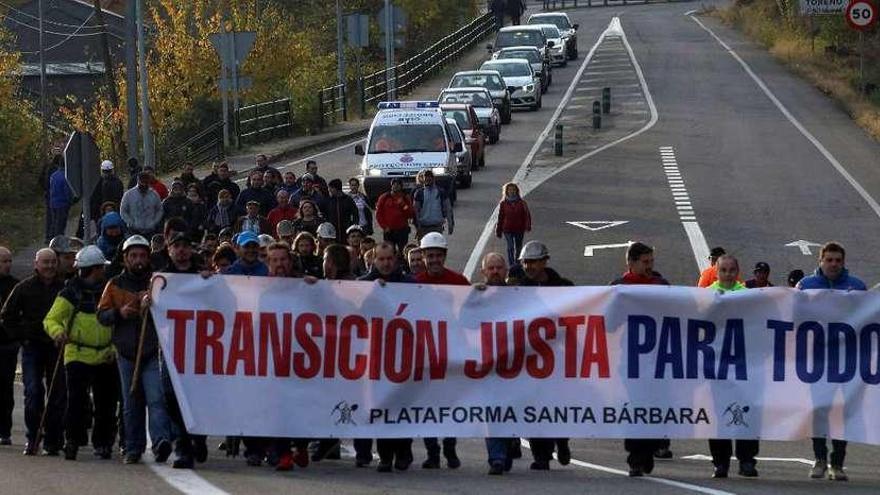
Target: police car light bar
[{"x": 385, "y": 105}]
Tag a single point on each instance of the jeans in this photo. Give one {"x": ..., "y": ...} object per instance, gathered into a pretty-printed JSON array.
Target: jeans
[
  {"x": 100, "y": 381},
  {"x": 38, "y": 361},
  {"x": 838, "y": 455},
  {"x": 514, "y": 245},
  {"x": 8, "y": 361},
  {"x": 185, "y": 443},
  {"x": 498, "y": 448},
  {"x": 150, "y": 395}
]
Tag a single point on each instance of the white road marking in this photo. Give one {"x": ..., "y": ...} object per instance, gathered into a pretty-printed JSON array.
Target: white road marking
[
  {"x": 597, "y": 225},
  {"x": 795, "y": 122},
  {"x": 804, "y": 246},
  {"x": 316, "y": 155},
  {"x": 590, "y": 250},
  {"x": 614, "y": 28},
  {"x": 185, "y": 481},
  {"x": 643, "y": 479},
  {"x": 685, "y": 208},
  {"x": 799, "y": 460}
]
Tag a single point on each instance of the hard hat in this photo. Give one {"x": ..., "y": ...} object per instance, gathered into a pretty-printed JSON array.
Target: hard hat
[
  {"x": 534, "y": 250},
  {"x": 106, "y": 165},
  {"x": 354, "y": 228},
  {"x": 285, "y": 228},
  {"x": 265, "y": 240},
  {"x": 61, "y": 245},
  {"x": 326, "y": 231},
  {"x": 433, "y": 240},
  {"x": 134, "y": 241},
  {"x": 90, "y": 256},
  {"x": 246, "y": 237}
]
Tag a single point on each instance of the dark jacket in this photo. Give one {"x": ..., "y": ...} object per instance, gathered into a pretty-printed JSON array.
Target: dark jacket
[
  {"x": 211, "y": 224},
  {"x": 177, "y": 206},
  {"x": 121, "y": 290},
  {"x": 341, "y": 212},
  {"x": 309, "y": 265},
  {"x": 260, "y": 195},
  {"x": 213, "y": 185},
  {"x": 7, "y": 283},
  {"x": 28, "y": 303},
  {"x": 108, "y": 188},
  {"x": 397, "y": 276},
  {"x": 517, "y": 276}
]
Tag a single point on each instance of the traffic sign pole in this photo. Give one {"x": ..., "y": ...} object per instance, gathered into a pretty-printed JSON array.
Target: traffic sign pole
[{"x": 861, "y": 15}]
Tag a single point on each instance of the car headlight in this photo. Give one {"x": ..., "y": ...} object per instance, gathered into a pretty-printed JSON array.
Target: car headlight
[
  {"x": 374, "y": 172},
  {"x": 439, "y": 170},
  {"x": 530, "y": 88}
]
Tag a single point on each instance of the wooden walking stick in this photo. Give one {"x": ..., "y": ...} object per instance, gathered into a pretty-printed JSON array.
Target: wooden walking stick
[
  {"x": 58, "y": 361},
  {"x": 145, "y": 314}
]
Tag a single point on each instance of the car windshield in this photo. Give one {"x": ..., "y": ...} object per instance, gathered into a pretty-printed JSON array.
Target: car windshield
[
  {"x": 475, "y": 98},
  {"x": 551, "y": 31},
  {"x": 519, "y": 38},
  {"x": 530, "y": 55},
  {"x": 488, "y": 81},
  {"x": 460, "y": 116},
  {"x": 560, "y": 21},
  {"x": 510, "y": 69},
  {"x": 407, "y": 139}
]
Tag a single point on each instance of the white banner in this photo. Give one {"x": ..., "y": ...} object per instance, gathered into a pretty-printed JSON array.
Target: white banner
[{"x": 278, "y": 357}]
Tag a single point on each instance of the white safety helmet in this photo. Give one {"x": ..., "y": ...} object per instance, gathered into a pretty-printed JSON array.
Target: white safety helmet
[
  {"x": 534, "y": 250},
  {"x": 135, "y": 240},
  {"x": 90, "y": 256},
  {"x": 326, "y": 231},
  {"x": 265, "y": 240},
  {"x": 434, "y": 240},
  {"x": 106, "y": 165}
]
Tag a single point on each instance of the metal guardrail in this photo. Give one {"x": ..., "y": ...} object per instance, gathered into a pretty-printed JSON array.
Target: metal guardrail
[
  {"x": 264, "y": 121},
  {"x": 563, "y": 4},
  {"x": 410, "y": 72},
  {"x": 202, "y": 148},
  {"x": 332, "y": 105}
]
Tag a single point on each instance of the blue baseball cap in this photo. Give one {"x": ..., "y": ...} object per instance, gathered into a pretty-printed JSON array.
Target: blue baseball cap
[{"x": 247, "y": 237}]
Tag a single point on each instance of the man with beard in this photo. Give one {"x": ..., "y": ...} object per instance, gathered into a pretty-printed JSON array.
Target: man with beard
[
  {"x": 122, "y": 307},
  {"x": 89, "y": 366},
  {"x": 141, "y": 207},
  {"x": 22, "y": 317}
]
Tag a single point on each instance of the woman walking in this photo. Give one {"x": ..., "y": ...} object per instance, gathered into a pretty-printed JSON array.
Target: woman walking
[{"x": 514, "y": 220}]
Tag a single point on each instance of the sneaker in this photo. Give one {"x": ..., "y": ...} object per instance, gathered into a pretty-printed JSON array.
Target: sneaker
[
  {"x": 452, "y": 460},
  {"x": 837, "y": 474},
  {"x": 103, "y": 452},
  {"x": 131, "y": 458},
  {"x": 384, "y": 467},
  {"x": 5, "y": 441},
  {"x": 70, "y": 451},
  {"x": 748, "y": 470},
  {"x": 162, "y": 450},
  {"x": 635, "y": 472},
  {"x": 540, "y": 466},
  {"x": 183, "y": 462},
  {"x": 721, "y": 471},
  {"x": 432, "y": 462},
  {"x": 497, "y": 468},
  {"x": 29, "y": 449},
  {"x": 663, "y": 453},
  {"x": 817, "y": 472},
  {"x": 563, "y": 453},
  {"x": 301, "y": 458},
  {"x": 285, "y": 462}
]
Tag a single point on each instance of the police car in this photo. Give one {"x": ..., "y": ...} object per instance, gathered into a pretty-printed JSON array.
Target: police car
[{"x": 405, "y": 138}]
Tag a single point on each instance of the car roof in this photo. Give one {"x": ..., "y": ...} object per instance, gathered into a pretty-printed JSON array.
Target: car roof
[
  {"x": 476, "y": 73},
  {"x": 519, "y": 48},
  {"x": 465, "y": 89},
  {"x": 456, "y": 106},
  {"x": 523, "y": 61},
  {"x": 548, "y": 14},
  {"x": 414, "y": 116},
  {"x": 521, "y": 27},
  {"x": 545, "y": 25}
]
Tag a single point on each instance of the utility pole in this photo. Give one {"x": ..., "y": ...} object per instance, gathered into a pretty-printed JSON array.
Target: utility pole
[
  {"x": 146, "y": 122},
  {"x": 44, "y": 101},
  {"x": 131, "y": 78},
  {"x": 118, "y": 144},
  {"x": 340, "y": 44},
  {"x": 389, "y": 52}
]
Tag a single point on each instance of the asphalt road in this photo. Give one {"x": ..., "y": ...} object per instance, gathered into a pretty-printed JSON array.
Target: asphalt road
[{"x": 694, "y": 154}]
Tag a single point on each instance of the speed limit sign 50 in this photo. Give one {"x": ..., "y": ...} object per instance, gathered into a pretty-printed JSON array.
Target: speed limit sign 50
[{"x": 861, "y": 14}]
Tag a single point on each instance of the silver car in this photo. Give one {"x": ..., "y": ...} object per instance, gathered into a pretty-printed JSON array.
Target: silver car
[
  {"x": 540, "y": 65},
  {"x": 522, "y": 83},
  {"x": 481, "y": 100},
  {"x": 492, "y": 81},
  {"x": 464, "y": 160},
  {"x": 568, "y": 30},
  {"x": 556, "y": 44}
]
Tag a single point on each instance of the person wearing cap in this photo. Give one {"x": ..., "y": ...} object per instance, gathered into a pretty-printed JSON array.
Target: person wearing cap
[
  {"x": 66, "y": 256},
  {"x": 108, "y": 188},
  {"x": 762, "y": 276},
  {"x": 60, "y": 201},
  {"x": 434, "y": 246},
  {"x": 253, "y": 220},
  {"x": 339, "y": 209},
  {"x": 309, "y": 189},
  {"x": 710, "y": 274},
  {"x": 223, "y": 180},
  {"x": 22, "y": 318},
  {"x": 394, "y": 211},
  {"x": 89, "y": 360},
  {"x": 161, "y": 257},
  {"x": 284, "y": 231},
  {"x": 306, "y": 262},
  {"x": 830, "y": 274},
  {"x": 532, "y": 271},
  {"x": 794, "y": 277},
  {"x": 432, "y": 208},
  {"x": 640, "y": 271},
  {"x": 249, "y": 261},
  {"x": 283, "y": 211},
  {"x": 9, "y": 349},
  {"x": 326, "y": 237},
  {"x": 141, "y": 207},
  {"x": 122, "y": 307},
  {"x": 256, "y": 192}
]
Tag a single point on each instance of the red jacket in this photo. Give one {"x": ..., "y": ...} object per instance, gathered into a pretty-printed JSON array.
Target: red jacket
[
  {"x": 279, "y": 213},
  {"x": 513, "y": 217},
  {"x": 448, "y": 277},
  {"x": 160, "y": 188},
  {"x": 394, "y": 211}
]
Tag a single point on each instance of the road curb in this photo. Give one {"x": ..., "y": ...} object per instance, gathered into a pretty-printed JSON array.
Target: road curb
[{"x": 292, "y": 152}]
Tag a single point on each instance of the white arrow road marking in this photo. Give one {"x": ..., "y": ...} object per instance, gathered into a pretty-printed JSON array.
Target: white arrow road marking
[
  {"x": 804, "y": 246},
  {"x": 800, "y": 460},
  {"x": 588, "y": 250},
  {"x": 643, "y": 479},
  {"x": 597, "y": 225}
]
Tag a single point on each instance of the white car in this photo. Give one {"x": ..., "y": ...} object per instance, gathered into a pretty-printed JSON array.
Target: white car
[
  {"x": 521, "y": 81},
  {"x": 566, "y": 28},
  {"x": 558, "y": 49}
]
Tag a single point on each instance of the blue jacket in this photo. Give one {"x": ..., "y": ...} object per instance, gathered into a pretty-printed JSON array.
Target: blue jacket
[
  {"x": 108, "y": 244},
  {"x": 59, "y": 192},
  {"x": 818, "y": 280},
  {"x": 258, "y": 269}
]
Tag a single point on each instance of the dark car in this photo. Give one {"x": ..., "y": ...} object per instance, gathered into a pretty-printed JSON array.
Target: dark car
[{"x": 493, "y": 82}]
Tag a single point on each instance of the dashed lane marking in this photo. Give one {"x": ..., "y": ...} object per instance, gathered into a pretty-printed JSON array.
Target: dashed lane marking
[
  {"x": 684, "y": 207},
  {"x": 185, "y": 481}
]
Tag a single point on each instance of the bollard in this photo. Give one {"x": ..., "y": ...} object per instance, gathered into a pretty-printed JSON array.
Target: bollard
[
  {"x": 606, "y": 100},
  {"x": 597, "y": 115},
  {"x": 558, "y": 142}
]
